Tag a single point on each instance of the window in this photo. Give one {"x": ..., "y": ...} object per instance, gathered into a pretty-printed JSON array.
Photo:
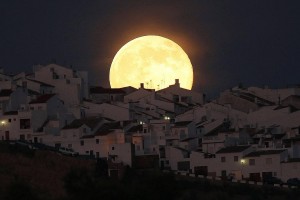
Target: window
[
  {"x": 145, "y": 130},
  {"x": 167, "y": 162},
  {"x": 182, "y": 134},
  {"x": 82, "y": 142},
  {"x": 269, "y": 161},
  {"x": 24, "y": 123},
  {"x": 163, "y": 128},
  {"x": 223, "y": 159},
  {"x": 138, "y": 147},
  {"x": 112, "y": 148},
  {"x": 236, "y": 159},
  {"x": 69, "y": 146},
  {"x": 97, "y": 141},
  {"x": 251, "y": 161},
  {"x": 9, "y": 120}
]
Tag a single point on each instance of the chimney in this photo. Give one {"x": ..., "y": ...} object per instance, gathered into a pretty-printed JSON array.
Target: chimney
[
  {"x": 142, "y": 86},
  {"x": 177, "y": 82}
]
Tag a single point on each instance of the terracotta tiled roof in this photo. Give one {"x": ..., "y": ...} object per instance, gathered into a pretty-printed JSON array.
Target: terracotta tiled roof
[
  {"x": 182, "y": 124},
  {"x": 91, "y": 122},
  {"x": 11, "y": 113},
  {"x": 188, "y": 139},
  {"x": 233, "y": 149},
  {"x": 41, "y": 83},
  {"x": 5, "y": 92},
  {"x": 264, "y": 152},
  {"x": 107, "y": 128},
  {"x": 42, "y": 99},
  {"x": 135, "y": 129},
  {"x": 292, "y": 160},
  {"x": 224, "y": 127},
  {"x": 101, "y": 90}
]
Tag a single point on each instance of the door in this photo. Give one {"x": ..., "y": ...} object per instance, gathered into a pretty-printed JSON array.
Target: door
[
  {"x": 223, "y": 173},
  {"x": 266, "y": 175},
  {"x": 254, "y": 177},
  {"x": 201, "y": 170},
  {"x": 237, "y": 174},
  {"x": 6, "y": 135},
  {"x": 22, "y": 137},
  {"x": 162, "y": 164},
  {"x": 91, "y": 153}
]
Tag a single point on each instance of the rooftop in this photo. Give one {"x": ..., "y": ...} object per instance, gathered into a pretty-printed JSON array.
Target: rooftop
[
  {"x": 233, "y": 149},
  {"x": 182, "y": 124},
  {"x": 135, "y": 129},
  {"x": 5, "y": 92},
  {"x": 91, "y": 122},
  {"x": 101, "y": 90},
  {"x": 107, "y": 128},
  {"x": 42, "y": 99},
  {"x": 11, "y": 113},
  {"x": 264, "y": 152}
]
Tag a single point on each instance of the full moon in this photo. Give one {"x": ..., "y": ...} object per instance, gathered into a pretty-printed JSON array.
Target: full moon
[{"x": 153, "y": 60}]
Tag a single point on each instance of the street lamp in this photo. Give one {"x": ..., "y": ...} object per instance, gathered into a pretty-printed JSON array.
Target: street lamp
[{"x": 243, "y": 162}]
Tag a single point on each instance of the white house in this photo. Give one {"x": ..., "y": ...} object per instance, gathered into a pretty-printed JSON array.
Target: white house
[
  {"x": 260, "y": 164},
  {"x": 68, "y": 82},
  {"x": 118, "y": 112},
  {"x": 229, "y": 161}
]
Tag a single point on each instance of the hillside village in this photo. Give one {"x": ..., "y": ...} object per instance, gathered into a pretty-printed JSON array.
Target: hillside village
[{"x": 246, "y": 133}]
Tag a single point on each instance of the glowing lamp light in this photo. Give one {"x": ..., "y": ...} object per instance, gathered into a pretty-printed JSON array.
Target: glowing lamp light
[
  {"x": 3, "y": 122},
  {"x": 243, "y": 161}
]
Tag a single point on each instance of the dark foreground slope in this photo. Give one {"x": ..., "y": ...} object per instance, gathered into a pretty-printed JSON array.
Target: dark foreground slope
[{"x": 27, "y": 174}]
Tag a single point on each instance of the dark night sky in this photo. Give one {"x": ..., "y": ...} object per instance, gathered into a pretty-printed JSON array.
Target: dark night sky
[{"x": 255, "y": 42}]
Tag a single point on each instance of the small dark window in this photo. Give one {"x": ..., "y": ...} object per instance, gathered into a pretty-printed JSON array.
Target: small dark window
[
  {"x": 223, "y": 159},
  {"x": 82, "y": 142},
  {"x": 97, "y": 141},
  {"x": 9, "y": 120},
  {"x": 251, "y": 161},
  {"x": 24, "y": 123},
  {"x": 235, "y": 158},
  {"x": 112, "y": 148}
]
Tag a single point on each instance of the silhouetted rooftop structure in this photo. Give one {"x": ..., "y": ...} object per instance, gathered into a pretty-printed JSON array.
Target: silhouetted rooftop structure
[
  {"x": 5, "y": 92},
  {"x": 42, "y": 99},
  {"x": 264, "y": 152},
  {"x": 233, "y": 149}
]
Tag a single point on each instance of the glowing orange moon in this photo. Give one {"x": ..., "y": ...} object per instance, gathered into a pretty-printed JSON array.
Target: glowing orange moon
[{"x": 153, "y": 60}]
